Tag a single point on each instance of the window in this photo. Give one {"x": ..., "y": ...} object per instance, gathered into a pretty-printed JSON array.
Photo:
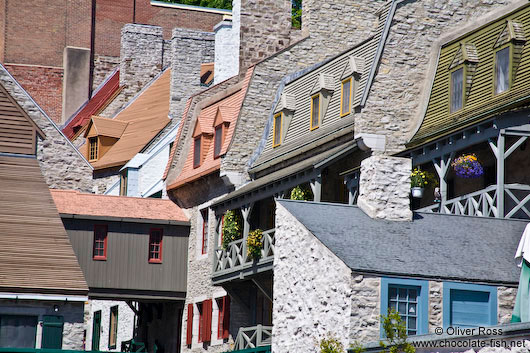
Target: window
[
  {"x": 155, "y": 246},
  {"x": 457, "y": 90},
  {"x": 315, "y": 112},
  {"x": 204, "y": 214},
  {"x": 469, "y": 305},
  {"x": 18, "y": 331},
  {"x": 100, "y": 242},
  {"x": 502, "y": 70},
  {"x": 113, "y": 327},
  {"x": 224, "y": 317},
  {"x": 205, "y": 320},
  {"x": 218, "y": 144},
  {"x": 197, "y": 152},
  {"x": 345, "y": 97},
  {"x": 277, "y": 130},
  {"x": 410, "y": 299},
  {"x": 93, "y": 148},
  {"x": 123, "y": 182}
]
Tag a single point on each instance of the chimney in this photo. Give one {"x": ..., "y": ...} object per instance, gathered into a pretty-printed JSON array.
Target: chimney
[
  {"x": 141, "y": 57},
  {"x": 189, "y": 49},
  {"x": 384, "y": 187},
  {"x": 227, "y": 47}
]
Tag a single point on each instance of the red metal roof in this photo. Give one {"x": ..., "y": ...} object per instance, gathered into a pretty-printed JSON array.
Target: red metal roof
[{"x": 94, "y": 105}]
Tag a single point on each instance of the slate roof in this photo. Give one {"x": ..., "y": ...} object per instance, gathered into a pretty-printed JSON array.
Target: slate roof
[
  {"x": 72, "y": 202},
  {"x": 433, "y": 245}
]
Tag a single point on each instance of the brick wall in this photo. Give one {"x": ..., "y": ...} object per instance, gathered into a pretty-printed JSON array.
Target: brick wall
[{"x": 44, "y": 84}]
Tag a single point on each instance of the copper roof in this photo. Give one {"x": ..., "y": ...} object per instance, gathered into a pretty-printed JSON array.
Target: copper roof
[
  {"x": 36, "y": 253},
  {"x": 146, "y": 116},
  {"x": 228, "y": 108},
  {"x": 76, "y": 203}
]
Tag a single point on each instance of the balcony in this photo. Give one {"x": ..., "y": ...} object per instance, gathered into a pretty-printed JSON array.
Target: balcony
[
  {"x": 233, "y": 261},
  {"x": 254, "y": 337},
  {"x": 485, "y": 203}
]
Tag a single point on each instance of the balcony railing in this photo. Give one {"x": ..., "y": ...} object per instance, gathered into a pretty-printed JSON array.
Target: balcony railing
[
  {"x": 253, "y": 337},
  {"x": 484, "y": 203},
  {"x": 234, "y": 257}
]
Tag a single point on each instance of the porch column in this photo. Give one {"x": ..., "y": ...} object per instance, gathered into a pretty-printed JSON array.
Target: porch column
[
  {"x": 316, "y": 187},
  {"x": 245, "y": 210},
  {"x": 217, "y": 240},
  {"x": 352, "y": 185},
  {"x": 501, "y": 144},
  {"x": 442, "y": 167}
]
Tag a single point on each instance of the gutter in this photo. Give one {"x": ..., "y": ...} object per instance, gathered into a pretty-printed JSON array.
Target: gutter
[
  {"x": 125, "y": 219},
  {"x": 64, "y": 298}
]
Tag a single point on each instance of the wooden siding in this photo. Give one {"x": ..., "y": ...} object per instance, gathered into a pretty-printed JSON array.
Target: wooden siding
[
  {"x": 36, "y": 254},
  {"x": 127, "y": 264},
  {"x": 298, "y": 132},
  {"x": 481, "y": 103},
  {"x": 18, "y": 133}
]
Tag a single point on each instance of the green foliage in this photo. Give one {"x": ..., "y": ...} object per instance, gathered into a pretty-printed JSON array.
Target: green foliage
[
  {"x": 298, "y": 193},
  {"x": 216, "y": 4},
  {"x": 330, "y": 344},
  {"x": 254, "y": 244},
  {"x": 357, "y": 347},
  {"x": 231, "y": 228},
  {"x": 396, "y": 333},
  {"x": 296, "y": 13}
]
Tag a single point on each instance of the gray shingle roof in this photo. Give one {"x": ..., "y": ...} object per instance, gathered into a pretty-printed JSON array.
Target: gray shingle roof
[{"x": 431, "y": 246}]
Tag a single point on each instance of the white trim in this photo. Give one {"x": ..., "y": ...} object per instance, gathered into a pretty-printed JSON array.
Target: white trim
[
  {"x": 191, "y": 7},
  {"x": 65, "y": 298},
  {"x": 199, "y": 233},
  {"x": 200, "y": 299},
  {"x": 215, "y": 341}
]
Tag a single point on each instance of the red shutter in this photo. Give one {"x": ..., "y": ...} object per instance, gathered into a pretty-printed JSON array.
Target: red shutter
[
  {"x": 207, "y": 314},
  {"x": 189, "y": 332},
  {"x": 226, "y": 317}
]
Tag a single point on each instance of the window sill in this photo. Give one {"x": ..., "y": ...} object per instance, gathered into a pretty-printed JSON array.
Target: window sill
[
  {"x": 99, "y": 258},
  {"x": 155, "y": 261}
]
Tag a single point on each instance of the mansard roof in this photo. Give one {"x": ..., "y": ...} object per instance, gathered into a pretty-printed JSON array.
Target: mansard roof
[{"x": 433, "y": 245}]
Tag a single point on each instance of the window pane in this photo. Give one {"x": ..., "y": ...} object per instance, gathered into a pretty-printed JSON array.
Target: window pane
[
  {"x": 315, "y": 111},
  {"x": 17, "y": 331},
  {"x": 218, "y": 140},
  {"x": 346, "y": 90},
  {"x": 502, "y": 70},
  {"x": 393, "y": 293},
  {"x": 457, "y": 89},
  {"x": 404, "y": 300},
  {"x": 197, "y": 152},
  {"x": 277, "y": 129},
  {"x": 402, "y": 307}
]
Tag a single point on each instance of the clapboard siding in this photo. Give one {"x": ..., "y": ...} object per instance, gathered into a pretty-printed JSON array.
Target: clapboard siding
[
  {"x": 127, "y": 264},
  {"x": 481, "y": 103}
]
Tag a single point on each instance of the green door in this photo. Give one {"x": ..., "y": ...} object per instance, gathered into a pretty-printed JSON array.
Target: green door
[
  {"x": 96, "y": 330},
  {"x": 52, "y": 331}
]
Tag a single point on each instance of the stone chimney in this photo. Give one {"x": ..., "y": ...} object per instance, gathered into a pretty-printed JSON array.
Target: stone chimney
[
  {"x": 141, "y": 57},
  {"x": 226, "y": 48},
  {"x": 384, "y": 187},
  {"x": 265, "y": 29},
  {"x": 189, "y": 49}
]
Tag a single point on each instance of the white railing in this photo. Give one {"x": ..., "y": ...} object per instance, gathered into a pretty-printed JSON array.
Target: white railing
[
  {"x": 252, "y": 337},
  {"x": 484, "y": 203},
  {"x": 234, "y": 257}
]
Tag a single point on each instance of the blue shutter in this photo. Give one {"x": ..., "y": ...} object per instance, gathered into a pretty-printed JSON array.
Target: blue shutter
[{"x": 470, "y": 308}]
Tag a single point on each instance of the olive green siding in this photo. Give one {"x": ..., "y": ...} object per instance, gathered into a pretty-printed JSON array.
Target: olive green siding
[
  {"x": 480, "y": 100},
  {"x": 127, "y": 266}
]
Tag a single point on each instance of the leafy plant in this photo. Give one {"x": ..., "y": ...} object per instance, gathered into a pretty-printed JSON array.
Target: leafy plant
[
  {"x": 396, "y": 333},
  {"x": 254, "y": 244},
  {"x": 298, "y": 193},
  {"x": 231, "y": 228},
  {"x": 357, "y": 347},
  {"x": 216, "y": 4},
  {"x": 420, "y": 179},
  {"x": 330, "y": 344},
  {"x": 296, "y": 13}
]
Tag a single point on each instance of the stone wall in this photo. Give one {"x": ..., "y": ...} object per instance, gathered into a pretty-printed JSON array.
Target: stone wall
[
  {"x": 189, "y": 49},
  {"x": 126, "y": 319},
  {"x": 394, "y": 98},
  {"x": 61, "y": 163},
  {"x": 226, "y": 50},
  {"x": 312, "y": 289},
  {"x": 103, "y": 66},
  {"x": 384, "y": 187},
  {"x": 72, "y": 313},
  {"x": 365, "y": 308},
  {"x": 505, "y": 303}
]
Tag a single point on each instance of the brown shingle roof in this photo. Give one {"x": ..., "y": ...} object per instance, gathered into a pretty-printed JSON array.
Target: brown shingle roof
[
  {"x": 146, "y": 116},
  {"x": 74, "y": 202},
  {"x": 107, "y": 127},
  {"x": 36, "y": 253}
]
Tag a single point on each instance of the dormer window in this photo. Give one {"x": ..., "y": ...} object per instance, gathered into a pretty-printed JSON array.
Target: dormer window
[
  {"x": 218, "y": 140},
  {"x": 457, "y": 89},
  {"x": 123, "y": 182},
  {"x": 197, "y": 152},
  {"x": 315, "y": 111},
  {"x": 93, "y": 148},
  {"x": 502, "y": 70},
  {"x": 277, "y": 130},
  {"x": 345, "y": 97}
]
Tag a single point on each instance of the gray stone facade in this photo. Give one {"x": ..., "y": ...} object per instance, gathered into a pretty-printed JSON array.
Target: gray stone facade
[
  {"x": 61, "y": 163},
  {"x": 384, "y": 187},
  {"x": 103, "y": 66},
  {"x": 226, "y": 50},
  {"x": 189, "y": 49}
]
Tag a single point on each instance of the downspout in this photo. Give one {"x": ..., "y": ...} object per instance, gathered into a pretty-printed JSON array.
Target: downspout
[{"x": 92, "y": 48}]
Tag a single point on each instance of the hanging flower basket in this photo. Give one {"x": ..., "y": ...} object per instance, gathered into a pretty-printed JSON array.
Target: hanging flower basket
[{"x": 467, "y": 166}]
